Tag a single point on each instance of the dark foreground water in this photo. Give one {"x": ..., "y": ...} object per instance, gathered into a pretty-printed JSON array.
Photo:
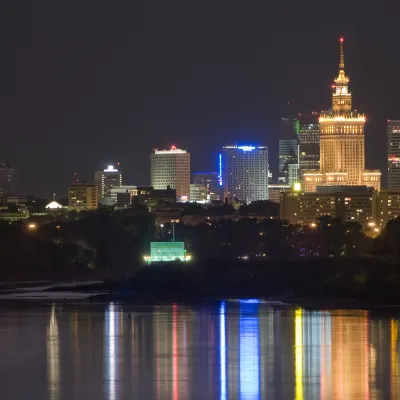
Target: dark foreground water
[{"x": 245, "y": 350}]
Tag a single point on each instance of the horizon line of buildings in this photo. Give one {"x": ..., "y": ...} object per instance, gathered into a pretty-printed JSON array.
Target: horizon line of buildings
[{"x": 317, "y": 151}]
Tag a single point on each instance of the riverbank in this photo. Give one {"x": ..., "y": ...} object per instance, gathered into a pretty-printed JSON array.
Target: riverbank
[{"x": 332, "y": 281}]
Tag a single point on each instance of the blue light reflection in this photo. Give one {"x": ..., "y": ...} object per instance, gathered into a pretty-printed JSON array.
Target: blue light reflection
[
  {"x": 249, "y": 350},
  {"x": 222, "y": 351}
]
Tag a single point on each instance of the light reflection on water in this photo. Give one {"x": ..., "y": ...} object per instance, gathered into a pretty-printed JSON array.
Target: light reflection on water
[{"x": 244, "y": 350}]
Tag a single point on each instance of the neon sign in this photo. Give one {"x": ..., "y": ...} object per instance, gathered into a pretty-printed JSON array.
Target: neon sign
[
  {"x": 220, "y": 170},
  {"x": 246, "y": 148}
]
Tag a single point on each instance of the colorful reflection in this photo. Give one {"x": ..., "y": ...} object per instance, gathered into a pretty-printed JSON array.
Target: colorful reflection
[
  {"x": 110, "y": 350},
  {"x": 249, "y": 351},
  {"x": 242, "y": 350},
  {"x": 53, "y": 356},
  {"x": 298, "y": 323},
  {"x": 222, "y": 351}
]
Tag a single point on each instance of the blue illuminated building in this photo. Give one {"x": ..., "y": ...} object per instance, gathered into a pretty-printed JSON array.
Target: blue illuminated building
[{"x": 244, "y": 172}]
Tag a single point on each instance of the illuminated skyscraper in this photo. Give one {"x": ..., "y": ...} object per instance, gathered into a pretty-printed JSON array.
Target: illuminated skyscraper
[
  {"x": 244, "y": 172},
  {"x": 309, "y": 145},
  {"x": 393, "y": 133},
  {"x": 288, "y": 151},
  {"x": 342, "y": 155},
  {"x": 106, "y": 179},
  {"x": 171, "y": 168},
  {"x": 288, "y": 161}
]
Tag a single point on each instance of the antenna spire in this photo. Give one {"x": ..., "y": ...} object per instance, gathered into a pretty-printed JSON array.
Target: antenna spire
[{"x": 341, "y": 63}]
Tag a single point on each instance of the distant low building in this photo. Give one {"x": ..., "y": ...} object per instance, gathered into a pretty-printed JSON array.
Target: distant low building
[
  {"x": 167, "y": 251},
  {"x": 350, "y": 203},
  {"x": 54, "y": 205},
  {"x": 83, "y": 197},
  {"x": 199, "y": 193},
  {"x": 212, "y": 181},
  {"x": 167, "y": 214},
  {"x": 19, "y": 199},
  {"x": 13, "y": 215},
  {"x": 153, "y": 198},
  {"x": 275, "y": 189},
  {"x": 121, "y": 196},
  {"x": 385, "y": 206}
]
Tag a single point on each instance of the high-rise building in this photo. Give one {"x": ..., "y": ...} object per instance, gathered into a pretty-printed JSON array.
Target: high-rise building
[
  {"x": 83, "y": 197},
  {"x": 244, "y": 172},
  {"x": 289, "y": 128},
  {"x": 308, "y": 145},
  {"x": 7, "y": 179},
  {"x": 393, "y": 133},
  {"x": 288, "y": 150},
  {"x": 171, "y": 168},
  {"x": 211, "y": 181},
  {"x": 288, "y": 160},
  {"x": 106, "y": 179},
  {"x": 342, "y": 159}
]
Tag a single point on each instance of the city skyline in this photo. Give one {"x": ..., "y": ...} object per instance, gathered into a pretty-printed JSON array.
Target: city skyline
[{"x": 202, "y": 78}]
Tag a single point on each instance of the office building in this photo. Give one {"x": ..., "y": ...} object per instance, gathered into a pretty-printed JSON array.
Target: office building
[
  {"x": 106, "y": 179},
  {"x": 7, "y": 180},
  {"x": 288, "y": 161},
  {"x": 350, "y": 203},
  {"x": 289, "y": 128},
  {"x": 199, "y": 193},
  {"x": 308, "y": 147},
  {"x": 83, "y": 197},
  {"x": 121, "y": 196},
  {"x": 342, "y": 154},
  {"x": 171, "y": 168},
  {"x": 153, "y": 198},
  {"x": 393, "y": 135},
  {"x": 211, "y": 181},
  {"x": 244, "y": 173}
]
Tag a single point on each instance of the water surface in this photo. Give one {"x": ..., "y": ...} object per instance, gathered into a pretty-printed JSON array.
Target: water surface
[{"x": 245, "y": 350}]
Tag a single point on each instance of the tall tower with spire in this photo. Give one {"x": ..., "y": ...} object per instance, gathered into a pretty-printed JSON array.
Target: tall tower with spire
[
  {"x": 341, "y": 98},
  {"x": 342, "y": 153}
]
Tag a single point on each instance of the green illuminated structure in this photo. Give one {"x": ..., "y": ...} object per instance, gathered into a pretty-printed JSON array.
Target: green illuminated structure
[{"x": 167, "y": 251}]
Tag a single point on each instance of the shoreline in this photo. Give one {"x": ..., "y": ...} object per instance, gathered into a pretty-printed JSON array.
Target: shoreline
[{"x": 101, "y": 292}]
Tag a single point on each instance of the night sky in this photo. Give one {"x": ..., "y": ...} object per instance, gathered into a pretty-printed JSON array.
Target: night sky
[{"x": 84, "y": 83}]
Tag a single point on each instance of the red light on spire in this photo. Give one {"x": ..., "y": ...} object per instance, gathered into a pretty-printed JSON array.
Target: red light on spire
[
  {"x": 173, "y": 147},
  {"x": 341, "y": 40}
]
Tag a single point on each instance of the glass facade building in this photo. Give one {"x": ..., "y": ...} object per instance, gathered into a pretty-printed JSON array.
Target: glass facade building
[{"x": 244, "y": 172}]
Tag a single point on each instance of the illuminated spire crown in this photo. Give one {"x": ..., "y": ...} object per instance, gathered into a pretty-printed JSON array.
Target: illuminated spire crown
[{"x": 342, "y": 79}]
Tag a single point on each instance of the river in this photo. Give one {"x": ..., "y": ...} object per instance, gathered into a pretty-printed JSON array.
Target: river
[{"x": 227, "y": 350}]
